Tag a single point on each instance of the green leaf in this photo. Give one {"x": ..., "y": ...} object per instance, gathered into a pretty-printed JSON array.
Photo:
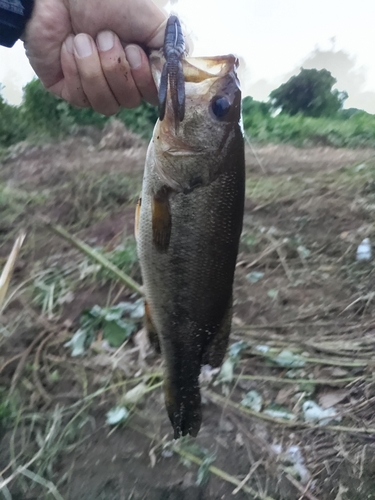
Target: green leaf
[
  {"x": 254, "y": 276},
  {"x": 273, "y": 293},
  {"x": 288, "y": 359},
  {"x": 253, "y": 400},
  {"x": 225, "y": 375},
  {"x": 116, "y": 332},
  {"x": 236, "y": 349},
  {"x": 204, "y": 470},
  {"x": 78, "y": 342}
]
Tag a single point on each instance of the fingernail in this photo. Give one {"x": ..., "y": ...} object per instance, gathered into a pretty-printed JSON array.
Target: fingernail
[
  {"x": 105, "y": 40},
  {"x": 134, "y": 56},
  {"x": 82, "y": 45},
  {"x": 69, "y": 44}
]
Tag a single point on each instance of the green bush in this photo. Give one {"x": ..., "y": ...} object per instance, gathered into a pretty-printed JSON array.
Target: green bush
[
  {"x": 47, "y": 114},
  {"x": 356, "y": 131},
  {"x": 42, "y": 114},
  {"x": 12, "y": 126}
]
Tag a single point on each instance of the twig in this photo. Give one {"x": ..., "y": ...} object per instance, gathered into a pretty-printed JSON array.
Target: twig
[
  {"x": 214, "y": 470},
  {"x": 304, "y": 324},
  {"x": 36, "y": 366},
  {"x": 22, "y": 362},
  {"x": 281, "y": 257},
  {"x": 286, "y": 423},
  {"x": 247, "y": 139},
  {"x": 22, "y": 468},
  {"x": 5, "y": 491},
  {"x": 240, "y": 487},
  {"x": 323, "y": 361},
  {"x": 96, "y": 256},
  {"x": 318, "y": 381},
  {"x": 266, "y": 252},
  {"x": 7, "y": 272},
  {"x": 47, "y": 484},
  {"x": 10, "y": 361},
  {"x": 300, "y": 488}
]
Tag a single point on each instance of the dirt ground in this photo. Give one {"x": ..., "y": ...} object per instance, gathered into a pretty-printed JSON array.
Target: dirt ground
[{"x": 298, "y": 290}]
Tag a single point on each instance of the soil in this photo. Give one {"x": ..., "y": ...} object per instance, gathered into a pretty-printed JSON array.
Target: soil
[{"x": 306, "y": 212}]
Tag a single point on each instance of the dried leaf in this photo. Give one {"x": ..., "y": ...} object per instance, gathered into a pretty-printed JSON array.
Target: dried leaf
[
  {"x": 135, "y": 394},
  {"x": 284, "y": 395},
  {"x": 142, "y": 341},
  {"x": 329, "y": 399},
  {"x": 7, "y": 272}
]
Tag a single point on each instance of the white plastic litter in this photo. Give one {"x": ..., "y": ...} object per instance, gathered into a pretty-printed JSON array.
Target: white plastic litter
[
  {"x": 314, "y": 413},
  {"x": 117, "y": 415},
  {"x": 292, "y": 457},
  {"x": 364, "y": 250}
]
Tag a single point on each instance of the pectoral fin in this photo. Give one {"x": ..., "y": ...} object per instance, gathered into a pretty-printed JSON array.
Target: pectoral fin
[
  {"x": 137, "y": 217},
  {"x": 161, "y": 221}
]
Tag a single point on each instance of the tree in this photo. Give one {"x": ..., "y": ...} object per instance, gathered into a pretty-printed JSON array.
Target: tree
[
  {"x": 45, "y": 113},
  {"x": 310, "y": 93},
  {"x": 12, "y": 127}
]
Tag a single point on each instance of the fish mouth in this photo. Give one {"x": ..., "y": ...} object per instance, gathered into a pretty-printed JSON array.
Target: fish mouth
[
  {"x": 188, "y": 152},
  {"x": 196, "y": 69}
]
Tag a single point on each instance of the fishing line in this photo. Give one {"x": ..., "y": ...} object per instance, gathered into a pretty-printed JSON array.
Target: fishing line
[{"x": 247, "y": 138}]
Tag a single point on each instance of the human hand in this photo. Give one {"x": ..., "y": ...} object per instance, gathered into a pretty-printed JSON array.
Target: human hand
[{"x": 76, "y": 49}]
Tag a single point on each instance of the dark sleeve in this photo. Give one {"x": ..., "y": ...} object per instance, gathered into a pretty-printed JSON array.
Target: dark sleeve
[{"x": 14, "y": 15}]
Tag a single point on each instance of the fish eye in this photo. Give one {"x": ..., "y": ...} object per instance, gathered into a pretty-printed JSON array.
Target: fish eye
[{"x": 220, "y": 106}]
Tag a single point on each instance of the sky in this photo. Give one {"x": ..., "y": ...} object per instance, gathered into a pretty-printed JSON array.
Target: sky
[{"x": 273, "y": 38}]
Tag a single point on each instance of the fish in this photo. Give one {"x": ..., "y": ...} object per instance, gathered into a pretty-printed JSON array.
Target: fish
[{"x": 189, "y": 220}]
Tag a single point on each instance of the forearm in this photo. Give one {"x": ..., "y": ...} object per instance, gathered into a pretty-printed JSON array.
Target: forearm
[{"x": 14, "y": 15}]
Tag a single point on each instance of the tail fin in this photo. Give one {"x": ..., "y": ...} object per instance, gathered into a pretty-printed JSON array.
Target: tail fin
[{"x": 183, "y": 402}]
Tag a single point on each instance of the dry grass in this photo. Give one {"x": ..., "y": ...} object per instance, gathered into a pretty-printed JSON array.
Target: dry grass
[{"x": 312, "y": 300}]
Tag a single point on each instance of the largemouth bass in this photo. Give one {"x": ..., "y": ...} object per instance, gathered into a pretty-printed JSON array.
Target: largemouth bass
[{"x": 189, "y": 221}]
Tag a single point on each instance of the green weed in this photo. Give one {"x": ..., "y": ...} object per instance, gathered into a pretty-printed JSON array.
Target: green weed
[{"x": 264, "y": 189}]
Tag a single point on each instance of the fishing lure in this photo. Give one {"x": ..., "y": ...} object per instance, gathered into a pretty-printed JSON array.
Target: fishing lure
[{"x": 172, "y": 73}]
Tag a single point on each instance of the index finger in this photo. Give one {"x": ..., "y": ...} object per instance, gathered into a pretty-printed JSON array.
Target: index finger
[{"x": 134, "y": 21}]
